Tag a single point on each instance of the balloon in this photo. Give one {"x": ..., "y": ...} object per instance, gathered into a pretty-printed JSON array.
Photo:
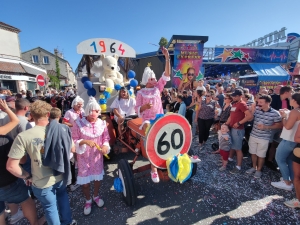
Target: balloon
[
  {"x": 128, "y": 87},
  {"x": 102, "y": 101},
  {"x": 84, "y": 79},
  {"x": 131, "y": 74},
  {"x": 91, "y": 92},
  {"x": 118, "y": 87},
  {"x": 133, "y": 83},
  {"x": 106, "y": 94},
  {"x": 130, "y": 92},
  {"x": 103, "y": 107},
  {"x": 109, "y": 90},
  {"x": 88, "y": 85}
]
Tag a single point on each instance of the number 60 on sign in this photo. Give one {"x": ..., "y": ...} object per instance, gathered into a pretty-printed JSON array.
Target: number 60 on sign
[{"x": 168, "y": 136}]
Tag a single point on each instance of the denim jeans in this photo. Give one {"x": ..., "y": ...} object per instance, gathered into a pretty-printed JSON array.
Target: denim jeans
[
  {"x": 194, "y": 124},
  {"x": 284, "y": 160},
  {"x": 55, "y": 202}
]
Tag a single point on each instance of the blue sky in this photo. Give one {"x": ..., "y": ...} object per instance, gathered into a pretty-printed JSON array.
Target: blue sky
[{"x": 65, "y": 23}]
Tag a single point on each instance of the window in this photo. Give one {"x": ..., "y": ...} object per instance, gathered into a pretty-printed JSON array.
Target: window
[
  {"x": 35, "y": 59},
  {"x": 46, "y": 60}
]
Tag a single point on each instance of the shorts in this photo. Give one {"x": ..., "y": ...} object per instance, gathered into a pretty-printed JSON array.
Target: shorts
[
  {"x": 258, "y": 146},
  {"x": 237, "y": 136},
  {"x": 224, "y": 154},
  {"x": 16, "y": 192}
]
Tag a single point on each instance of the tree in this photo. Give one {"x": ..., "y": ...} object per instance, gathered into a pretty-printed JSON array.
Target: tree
[
  {"x": 55, "y": 82},
  {"x": 57, "y": 70}
]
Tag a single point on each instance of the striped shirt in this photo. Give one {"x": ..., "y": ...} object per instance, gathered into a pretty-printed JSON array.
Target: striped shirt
[
  {"x": 268, "y": 118},
  {"x": 224, "y": 144}
]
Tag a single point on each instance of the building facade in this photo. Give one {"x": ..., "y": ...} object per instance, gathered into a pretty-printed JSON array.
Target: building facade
[
  {"x": 15, "y": 73},
  {"x": 47, "y": 60}
]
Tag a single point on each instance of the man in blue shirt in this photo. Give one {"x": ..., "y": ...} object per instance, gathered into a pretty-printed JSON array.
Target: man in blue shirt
[{"x": 182, "y": 108}]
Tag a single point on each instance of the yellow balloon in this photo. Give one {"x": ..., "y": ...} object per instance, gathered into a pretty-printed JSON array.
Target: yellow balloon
[
  {"x": 109, "y": 90},
  {"x": 103, "y": 107}
]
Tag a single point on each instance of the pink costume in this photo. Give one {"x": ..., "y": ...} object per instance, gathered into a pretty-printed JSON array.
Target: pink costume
[
  {"x": 90, "y": 160},
  {"x": 151, "y": 95},
  {"x": 71, "y": 116}
]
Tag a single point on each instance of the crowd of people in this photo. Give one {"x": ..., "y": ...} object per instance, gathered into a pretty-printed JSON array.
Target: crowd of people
[{"x": 45, "y": 136}]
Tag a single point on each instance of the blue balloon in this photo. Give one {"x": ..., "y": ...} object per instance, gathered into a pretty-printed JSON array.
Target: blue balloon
[
  {"x": 84, "y": 79},
  {"x": 117, "y": 87},
  {"x": 91, "y": 92},
  {"x": 106, "y": 94},
  {"x": 88, "y": 85},
  {"x": 102, "y": 101},
  {"x": 118, "y": 185},
  {"x": 128, "y": 87},
  {"x": 133, "y": 83},
  {"x": 131, "y": 74}
]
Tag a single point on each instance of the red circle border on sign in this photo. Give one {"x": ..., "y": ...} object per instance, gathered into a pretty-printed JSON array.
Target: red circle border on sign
[
  {"x": 40, "y": 77},
  {"x": 150, "y": 141}
]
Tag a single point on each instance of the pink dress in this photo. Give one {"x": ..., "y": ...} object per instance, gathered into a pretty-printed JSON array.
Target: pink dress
[
  {"x": 90, "y": 160},
  {"x": 151, "y": 95},
  {"x": 71, "y": 116}
]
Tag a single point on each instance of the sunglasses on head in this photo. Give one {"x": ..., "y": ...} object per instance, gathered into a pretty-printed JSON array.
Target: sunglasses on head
[{"x": 191, "y": 74}]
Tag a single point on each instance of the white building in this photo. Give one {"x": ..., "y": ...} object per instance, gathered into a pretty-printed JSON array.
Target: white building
[{"x": 15, "y": 73}]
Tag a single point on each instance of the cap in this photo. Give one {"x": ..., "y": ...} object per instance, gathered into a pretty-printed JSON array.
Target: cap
[
  {"x": 10, "y": 99},
  {"x": 237, "y": 92},
  {"x": 3, "y": 88}
]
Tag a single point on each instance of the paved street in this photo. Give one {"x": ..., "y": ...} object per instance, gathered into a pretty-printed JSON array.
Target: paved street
[{"x": 210, "y": 197}]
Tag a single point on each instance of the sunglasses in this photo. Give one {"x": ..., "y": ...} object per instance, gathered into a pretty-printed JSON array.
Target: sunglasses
[
  {"x": 207, "y": 96},
  {"x": 191, "y": 74}
]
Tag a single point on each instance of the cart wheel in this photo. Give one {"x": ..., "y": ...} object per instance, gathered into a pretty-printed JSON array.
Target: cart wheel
[
  {"x": 126, "y": 176},
  {"x": 194, "y": 169}
]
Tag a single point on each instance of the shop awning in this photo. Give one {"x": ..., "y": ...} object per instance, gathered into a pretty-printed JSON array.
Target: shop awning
[{"x": 269, "y": 71}]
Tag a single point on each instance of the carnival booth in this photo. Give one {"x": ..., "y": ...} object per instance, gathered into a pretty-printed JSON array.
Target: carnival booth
[
  {"x": 168, "y": 138},
  {"x": 267, "y": 75}
]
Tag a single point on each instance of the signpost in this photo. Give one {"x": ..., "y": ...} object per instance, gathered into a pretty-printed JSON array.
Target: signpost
[
  {"x": 167, "y": 137},
  {"x": 40, "y": 80}
]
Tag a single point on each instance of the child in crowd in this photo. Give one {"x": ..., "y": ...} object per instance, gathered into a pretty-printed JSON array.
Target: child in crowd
[{"x": 224, "y": 145}]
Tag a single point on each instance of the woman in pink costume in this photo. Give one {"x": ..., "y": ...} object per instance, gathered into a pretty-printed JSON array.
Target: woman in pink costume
[
  {"x": 88, "y": 133},
  {"x": 74, "y": 113},
  {"x": 148, "y": 100}
]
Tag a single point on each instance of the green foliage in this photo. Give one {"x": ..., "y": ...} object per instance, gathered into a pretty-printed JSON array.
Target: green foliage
[
  {"x": 55, "y": 82},
  {"x": 57, "y": 70},
  {"x": 163, "y": 42}
]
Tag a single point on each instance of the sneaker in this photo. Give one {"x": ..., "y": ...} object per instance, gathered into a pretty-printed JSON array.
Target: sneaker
[
  {"x": 230, "y": 159},
  {"x": 98, "y": 201},
  {"x": 294, "y": 203},
  {"x": 251, "y": 170},
  {"x": 195, "y": 159},
  {"x": 17, "y": 217},
  {"x": 281, "y": 179},
  {"x": 235, "y": 171},
  {"x": 220, "y": 164},
  {"x": 257, "y": 174},
  {"x": 87, "y": 208},
  {"x": 222, "y": 168},
  {"x": 74, "y": 222},
  {"x": 73, "y": 187},
  {"x": 282, "y": 185},
  {"x": 155, "y": 177}
]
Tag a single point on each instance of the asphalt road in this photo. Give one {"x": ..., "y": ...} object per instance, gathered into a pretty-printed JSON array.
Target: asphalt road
[{"x": 210, "y": 197}]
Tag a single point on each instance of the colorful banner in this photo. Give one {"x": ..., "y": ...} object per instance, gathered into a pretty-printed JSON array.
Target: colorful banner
[
  {"x": 250, "y": 83},
  {"x": 251, "y": 55},
  {"x": 187, "y": 55}
]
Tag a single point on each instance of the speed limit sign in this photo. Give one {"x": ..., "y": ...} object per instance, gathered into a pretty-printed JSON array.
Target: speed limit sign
[{"x": 167, "y": 137}]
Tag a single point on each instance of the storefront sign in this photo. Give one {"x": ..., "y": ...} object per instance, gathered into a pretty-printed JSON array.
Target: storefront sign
[
  {"x": 268, "y": 38},
  {"x": 271, "y": 84},
  {"x": 16, "y": 77}
]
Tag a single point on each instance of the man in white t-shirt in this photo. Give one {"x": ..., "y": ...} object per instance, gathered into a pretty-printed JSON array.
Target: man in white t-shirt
[
  {"x": 123, "y": 106},
  {"x": 200, "y": 86}
]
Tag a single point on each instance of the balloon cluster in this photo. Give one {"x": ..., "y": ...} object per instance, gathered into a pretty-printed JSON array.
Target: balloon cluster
[
  {"x": 106, "y": 94},
  {"x": 89, "y": 86}
]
